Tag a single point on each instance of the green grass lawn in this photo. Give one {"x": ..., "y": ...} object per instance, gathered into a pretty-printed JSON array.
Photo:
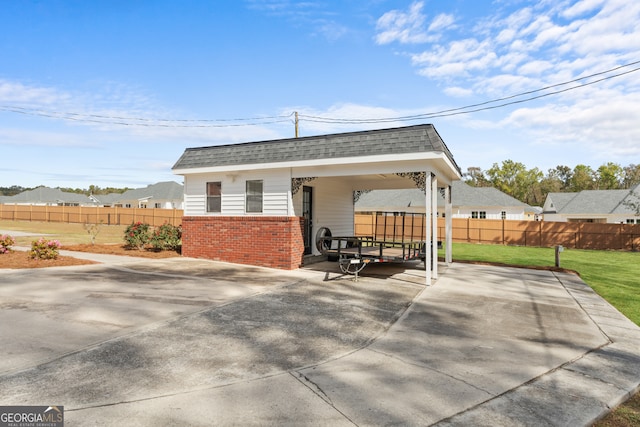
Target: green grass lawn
[
  {"x": 613, "y": 275},
  {"x": 68, "y": 234}
]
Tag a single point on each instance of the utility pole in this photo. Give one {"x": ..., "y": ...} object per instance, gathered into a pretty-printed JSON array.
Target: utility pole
[{"x": 296, "y": 122}]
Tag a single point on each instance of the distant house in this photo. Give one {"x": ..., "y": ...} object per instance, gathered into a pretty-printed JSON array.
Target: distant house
[
  {"x": 45, "y": 196},
  {"x": 163, "y": 195},
  {"x": 106, "y": 200},
  {"x": 600, "y": 206},
  {"x": 467, "y": 201}
]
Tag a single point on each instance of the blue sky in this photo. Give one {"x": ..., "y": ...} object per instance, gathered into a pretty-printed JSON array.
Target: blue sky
[{"x": 110, "y": 93}]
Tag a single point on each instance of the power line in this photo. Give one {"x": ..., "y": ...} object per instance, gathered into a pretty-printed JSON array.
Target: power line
[
  {"x": 265, "y": 120},
  {"x": 472, "y": 108},
  {"x": 146, "y": 122}
]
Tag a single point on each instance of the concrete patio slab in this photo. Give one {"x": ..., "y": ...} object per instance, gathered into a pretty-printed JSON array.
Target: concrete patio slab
[{"x": 192, "y": 342}]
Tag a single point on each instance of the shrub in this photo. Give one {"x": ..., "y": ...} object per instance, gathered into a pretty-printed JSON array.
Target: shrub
[
  {"x": 167, "y": 237},
  {"x": 44, "y": 249},
  {"x": 93, "y": 230},
  {"x": 137, "y": 235},
  {"x": 6, "y": 242}
]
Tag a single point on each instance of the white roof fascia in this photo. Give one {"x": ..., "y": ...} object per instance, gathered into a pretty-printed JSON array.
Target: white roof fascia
[{"x": 318, "y": 162}]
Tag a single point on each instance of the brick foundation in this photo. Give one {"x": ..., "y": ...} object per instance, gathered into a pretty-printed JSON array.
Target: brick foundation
[{"x": 273, "y": 241}]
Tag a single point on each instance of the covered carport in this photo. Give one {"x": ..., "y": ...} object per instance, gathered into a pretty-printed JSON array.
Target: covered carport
[{"x": 306, "y": 184}]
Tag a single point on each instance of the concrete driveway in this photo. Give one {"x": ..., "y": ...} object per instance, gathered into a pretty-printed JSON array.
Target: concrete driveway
[{"x": 192, "y": 342}]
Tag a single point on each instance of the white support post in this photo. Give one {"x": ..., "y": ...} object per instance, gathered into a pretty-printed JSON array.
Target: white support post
[
  {"x": 427, "y": 228},
  {"x": 434, "y": 224},
  {"x": 448, "y": 206}
]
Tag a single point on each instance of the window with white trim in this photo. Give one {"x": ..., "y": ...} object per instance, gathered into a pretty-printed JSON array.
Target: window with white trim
[
  {"x": 254, "y": 196},
  {"x": 214, "y": 196}
]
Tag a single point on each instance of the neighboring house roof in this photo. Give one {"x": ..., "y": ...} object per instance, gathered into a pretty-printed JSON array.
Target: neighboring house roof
[
  {"x": 559, "y": 200},
  {"x": 168, "y": 190},
  {"x": 47, "y": 195},
  {"x": 597, "y": 202},
  {"x": 105, "y": 199},
  {"x": 461, "y": 195},
  {"x": 414, "y": 139},
  {"x": 633, "y": 196}
]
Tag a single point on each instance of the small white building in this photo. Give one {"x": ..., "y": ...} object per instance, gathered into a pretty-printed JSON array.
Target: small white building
[{"x": 261, "y": 203}]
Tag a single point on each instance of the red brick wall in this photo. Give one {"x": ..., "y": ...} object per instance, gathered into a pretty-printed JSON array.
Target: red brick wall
[{"x": 272, "y": 241}]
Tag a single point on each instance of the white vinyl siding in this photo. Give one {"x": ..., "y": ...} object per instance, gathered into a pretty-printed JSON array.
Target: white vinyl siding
[
  {"x": 332, "y": 207},
  {"x": 276, "y": 195},
  {"x": 275, "y": 202}
]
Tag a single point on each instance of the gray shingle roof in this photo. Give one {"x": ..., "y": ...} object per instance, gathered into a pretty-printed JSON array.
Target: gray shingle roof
[
  {"x": 560, "y": 200},
  {"x": 106, "y": 199},
  {"x": 47, "y": 195},
  {"x": 466, "y": 195},
  {"x": 410, "y": 139},
  {"x": 168, "y": 190},
  {"x": 461, "y": 195},
  {"x": 593, "y": 201}
]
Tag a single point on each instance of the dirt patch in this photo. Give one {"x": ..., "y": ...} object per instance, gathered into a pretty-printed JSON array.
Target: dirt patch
[{"x": 21, "y": 259}]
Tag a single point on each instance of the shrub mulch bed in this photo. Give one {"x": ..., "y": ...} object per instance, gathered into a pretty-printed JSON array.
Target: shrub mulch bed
[{"x": 21, "y": 259}]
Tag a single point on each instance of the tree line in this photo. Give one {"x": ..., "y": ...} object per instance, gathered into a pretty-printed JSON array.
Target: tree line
[
  {"x": 93, "y": 189},
  {"x": 531, "y": 186}
]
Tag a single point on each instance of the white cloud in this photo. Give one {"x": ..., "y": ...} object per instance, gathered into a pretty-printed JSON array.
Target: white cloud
[
  {"x": 441, "y": 21},
  {"x": 501, "y": 50},
  {"x": 112, "y": 111},
  {"x": 604, "y": 122},
  {"x": 506, "y": 36},
  {"x": 614, "y": 28},
  {"x": 456, "y": 59},
  {"x": 458, "y": 92},
  {"x": 581, "y": 8},
  {"x": 317, "y": 124},
  {"x": 403, "y": 27},
  {"x": 517, "y": 20},
  {"x": 310, "y": 14},
  {"x": 535, "y": 67},
  {"x": 542, "y": 45},
  {"x": 18, "y": 93}
]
